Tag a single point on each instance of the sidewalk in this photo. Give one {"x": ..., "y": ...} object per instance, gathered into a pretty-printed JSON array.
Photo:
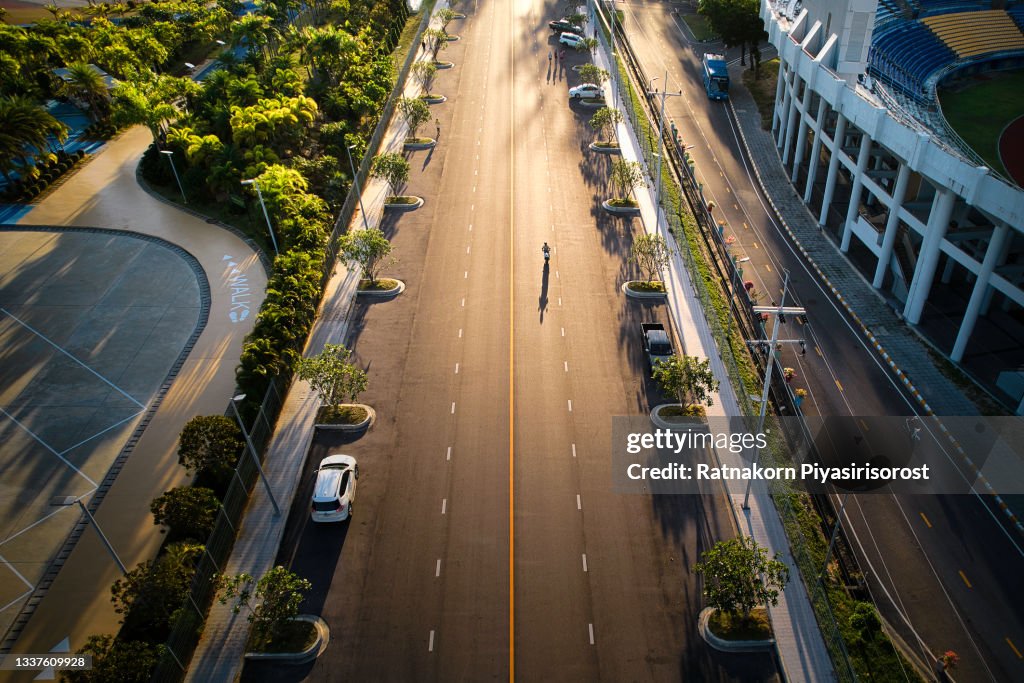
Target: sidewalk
[
  {"x": 104, "y": 193},
  {"x": 800, "y": 647}
]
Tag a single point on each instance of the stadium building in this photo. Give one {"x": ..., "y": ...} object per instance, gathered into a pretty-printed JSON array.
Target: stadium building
[{"x": 860, "y": 131}]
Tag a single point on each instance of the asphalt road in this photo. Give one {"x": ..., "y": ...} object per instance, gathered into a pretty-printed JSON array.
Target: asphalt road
[
  {"x": 946, "y": 564},
  {"x": 485, "y": 536}
]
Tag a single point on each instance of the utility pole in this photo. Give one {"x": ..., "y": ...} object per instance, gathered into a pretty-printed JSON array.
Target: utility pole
[
  {"x": 661, "y": 133},
  {"x": 780, "y": 312}
]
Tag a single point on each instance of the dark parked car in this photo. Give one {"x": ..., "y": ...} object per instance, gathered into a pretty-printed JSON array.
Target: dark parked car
[{"x": 565, "y": 26}]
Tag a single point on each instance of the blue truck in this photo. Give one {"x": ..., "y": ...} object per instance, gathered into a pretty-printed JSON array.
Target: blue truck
[{"x": 716, "y": 76}]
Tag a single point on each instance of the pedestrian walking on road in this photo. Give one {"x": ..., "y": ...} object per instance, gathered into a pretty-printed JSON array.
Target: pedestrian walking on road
[
  {"x": 561, "y": 55},
  {"x": 549, "y": 57},
  {"x": 437, "y": 124}
]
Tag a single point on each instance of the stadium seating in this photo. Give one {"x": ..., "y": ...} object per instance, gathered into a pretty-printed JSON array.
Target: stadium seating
[
  {"x": 888, "y": 10},
  {"x": 970, "y": 34},
  {"x": 905, "y": 52}
]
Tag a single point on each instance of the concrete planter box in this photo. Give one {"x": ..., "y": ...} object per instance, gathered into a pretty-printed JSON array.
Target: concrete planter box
[
  {"x": 434, "y": 99},
  {"x": 443, "y": 65},
  {"x": 323, "y": 638},
  {"x": 452, "y": 39},
  {"x": 729, "y": 645},
  {"x": 588, "y": 102},
  {"x": 604, "y": 149},
  {"x": 384, "y": 294},
  {"x": 418, "y": 144},
  {"x": 640, "y": 294},
  {"x": 679, "y": 423},
  {"x": 371, "y": 415},
  {"x": 621, "y": 210},
  {"x": 401, "y": 206}
]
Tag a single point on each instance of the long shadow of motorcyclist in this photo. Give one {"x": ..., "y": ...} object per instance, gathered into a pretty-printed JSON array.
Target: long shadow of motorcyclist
[{"x": 542, "y": 300}]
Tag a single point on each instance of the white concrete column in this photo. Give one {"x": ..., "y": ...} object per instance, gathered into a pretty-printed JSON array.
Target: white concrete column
[
  {"x": 995, "y": 248},
  {"x": 812, "y": 164},
  {"x": 924, "y": 274},
  {"x": 794, "y": 110},
  {"x": 787, "y": 101},
  {"x": 858, "y": 182},
  {"x": 801, "y": 134},
  {"x": 776, "y": 120},
  {"x": 891, "y": 225},
  {"x": 833, "y": 168},
  {"x": 986, "y": 302}
]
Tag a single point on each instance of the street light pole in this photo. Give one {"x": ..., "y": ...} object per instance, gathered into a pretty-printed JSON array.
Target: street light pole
[
  {"x": 661, "y": 134},
  {"x": 64, "y": 501},
  {"x": 355, "y": 179},
  {"x": 252, "y": 452},
  {"x": 170, "y": 157},
  {"x": 273, "y": 238}
]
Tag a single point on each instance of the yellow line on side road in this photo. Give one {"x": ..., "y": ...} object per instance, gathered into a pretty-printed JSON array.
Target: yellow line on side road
[
  {"x": 839, "y": 385},
  {"x": 927, "y": 523},
  {"x": 964, "y": 577},
  {"x": 1014, "y": 648}
]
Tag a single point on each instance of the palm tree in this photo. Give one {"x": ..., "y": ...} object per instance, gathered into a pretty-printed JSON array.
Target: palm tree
[
  {"x": 25, "y": 130},
  {"x": 87, "y": 85}
]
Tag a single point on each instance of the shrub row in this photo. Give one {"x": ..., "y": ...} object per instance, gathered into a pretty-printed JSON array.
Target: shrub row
[
  {"x": 27, "y": 189},
  {"x": 152, "y": 595}
]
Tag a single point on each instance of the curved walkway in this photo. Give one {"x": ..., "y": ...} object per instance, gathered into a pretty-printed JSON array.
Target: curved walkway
[{"x": 104, "y": 193}]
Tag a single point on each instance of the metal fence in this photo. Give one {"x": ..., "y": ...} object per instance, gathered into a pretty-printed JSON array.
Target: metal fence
[
  {"x": 188, "y": 622},
  {"x": 718, "y": 284}
]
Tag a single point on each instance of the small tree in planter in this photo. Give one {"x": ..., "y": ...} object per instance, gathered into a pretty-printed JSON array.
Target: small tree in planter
[
  {"x": 273, "y": 603},
  {"x": 337, "y": 381},
  {"x": 368, "y": 249},
  {"x": 393, "y": 169},
  {"x": 690, "y": 380},
  {"x": 590, "y": 73},
  {"x": 436, "y": 39},
  {"x": 414, "y": 112},
  {"x": 651, "y": 254},
  {"x": 588, "y": 44},
  {"x": 604, "y": 122},
  {"x": 739, "y": 576},
  {"x": 626, "y": 176},
  {"x": 424, "y": 73},
  {"x": 445, "y": 17}
]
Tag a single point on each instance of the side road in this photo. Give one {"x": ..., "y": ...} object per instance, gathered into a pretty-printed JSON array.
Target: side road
[
  {"x": 105, "y": 193},
  {"x": 801, "y": 649}
]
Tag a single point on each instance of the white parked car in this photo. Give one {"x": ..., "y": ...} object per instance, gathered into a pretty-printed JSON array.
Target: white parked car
[
  {"x": 335, "y": 489},
  {"x": 586, "y": 90},
  {"x": 570, "y": 39}
]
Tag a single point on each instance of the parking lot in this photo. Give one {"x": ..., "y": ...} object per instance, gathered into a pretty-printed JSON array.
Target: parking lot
[{"x": 91, "y": 322}]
